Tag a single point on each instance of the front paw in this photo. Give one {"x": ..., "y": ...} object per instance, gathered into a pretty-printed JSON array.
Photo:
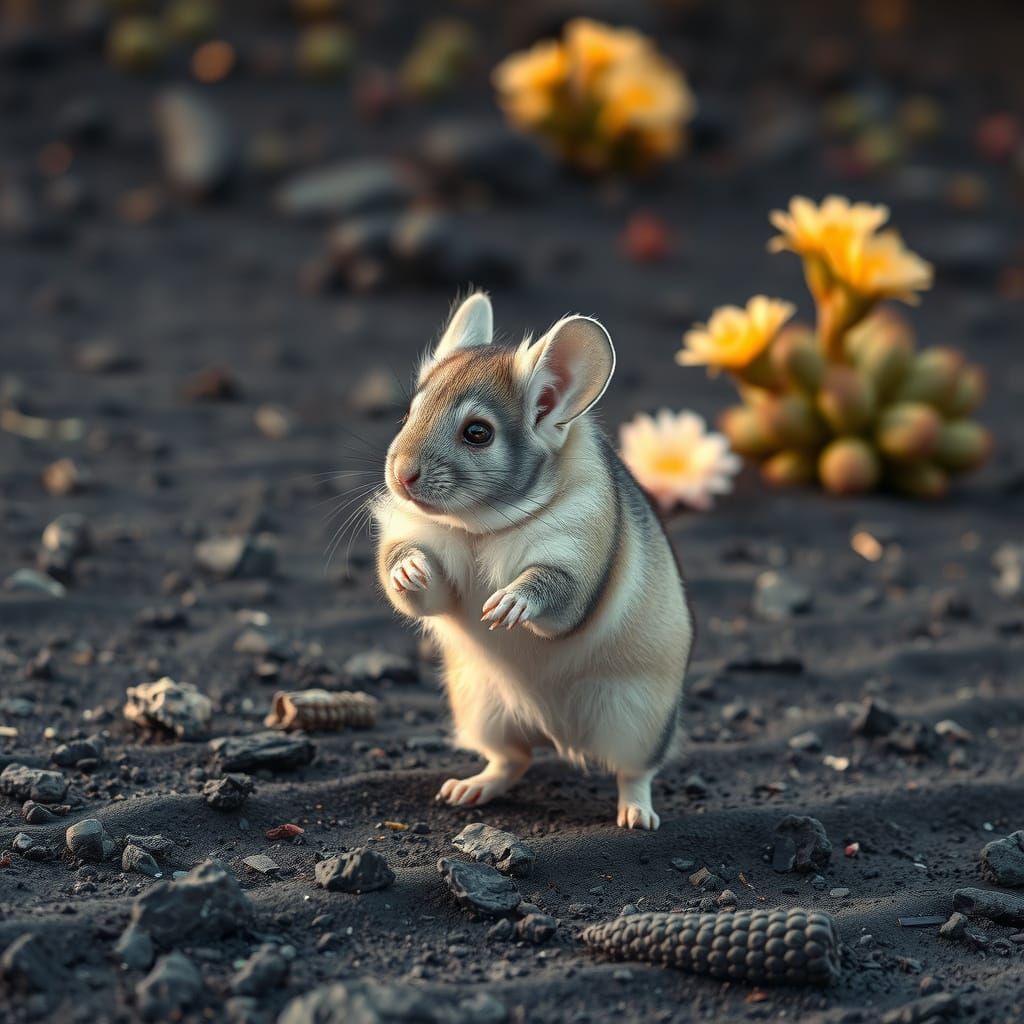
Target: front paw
[
  {"x": 508, "y": 607},
  {"x": 413, "y": 573}
]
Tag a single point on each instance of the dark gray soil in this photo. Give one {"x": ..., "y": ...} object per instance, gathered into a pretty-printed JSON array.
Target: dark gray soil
[{"x": 923, "y": 629}]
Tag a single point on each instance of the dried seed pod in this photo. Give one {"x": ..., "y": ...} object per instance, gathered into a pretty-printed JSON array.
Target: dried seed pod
[
  {"x": 314, "y": 710},
  {"x": 759, "y": 947}
]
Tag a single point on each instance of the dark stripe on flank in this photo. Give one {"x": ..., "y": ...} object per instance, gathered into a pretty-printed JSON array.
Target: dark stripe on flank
[
  {"x": 651, "y": 520},
  {"x": 665, "y": 737}
]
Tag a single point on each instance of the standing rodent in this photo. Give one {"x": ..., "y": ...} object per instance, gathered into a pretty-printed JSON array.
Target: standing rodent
[{"x": 506, "y": 507}]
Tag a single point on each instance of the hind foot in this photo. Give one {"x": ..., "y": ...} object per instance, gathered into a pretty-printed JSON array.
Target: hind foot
[{"x": 635, "y": 807}]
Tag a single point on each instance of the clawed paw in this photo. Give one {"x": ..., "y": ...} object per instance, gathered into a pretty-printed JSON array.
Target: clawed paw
[
  {"x": 411, "y": 573},
  {"x": 634, "y": 815},
  {"x": 508, "y": 608},
  {"x": 477, "y": 789}
]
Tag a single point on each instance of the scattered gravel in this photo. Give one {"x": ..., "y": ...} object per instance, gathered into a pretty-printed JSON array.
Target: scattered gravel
[{"x": 172, "y": 986}]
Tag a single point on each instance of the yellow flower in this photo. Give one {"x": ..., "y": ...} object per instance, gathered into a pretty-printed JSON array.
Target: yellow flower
[
  {"x": 882, "y": 267},
  {"x": 844, "y": 237},
  {"x": 527, "y": 82},
  {"x": 675, "y": 459},
  {"x": 644, "y": 95},
  {"x": 592, "y": 48},
  {"x": 824, "y": 229},
  {"x": 733, "y": 337}
]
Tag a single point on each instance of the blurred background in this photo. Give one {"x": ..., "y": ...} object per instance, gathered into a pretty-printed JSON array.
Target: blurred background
[{"x": 227, "y": 229}]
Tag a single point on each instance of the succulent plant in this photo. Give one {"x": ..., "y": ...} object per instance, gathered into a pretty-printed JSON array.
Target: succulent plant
[
  {"x": 757, "y": 947},
  {"x": 850, "y": 402}
]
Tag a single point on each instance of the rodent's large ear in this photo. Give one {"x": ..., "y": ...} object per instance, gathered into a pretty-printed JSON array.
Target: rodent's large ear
[
  {"x": 472, "y": 324},
  {"x": 569, "y": 369}
]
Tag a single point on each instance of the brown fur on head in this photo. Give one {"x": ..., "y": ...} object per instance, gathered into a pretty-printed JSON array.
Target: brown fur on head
[{"x": 486, "y": 422}]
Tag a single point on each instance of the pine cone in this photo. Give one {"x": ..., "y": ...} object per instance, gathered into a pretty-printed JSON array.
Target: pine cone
[
  {"x": 314, "y": 710},
  {"x": 759, "y": 947}
]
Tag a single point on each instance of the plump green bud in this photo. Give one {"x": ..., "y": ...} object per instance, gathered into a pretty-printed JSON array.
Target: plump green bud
[
  {"x": 746, "y": 432},
  {"x": 849, "y": 465},
  {"x": 968, "y": 392},
  {"x": 792, "y": 420},
  {"x": 789, "y": 469},
  {"x": 191, "y": 20},
  {"x": 963, "y": 445},
  {"x": 908, "y": 431},
  {"x": 797, "y": 358},
  {"x": 846, "y": 399},
  {"x": 135, "y": 43},
  {"x": 324, "y": 51},
  {"x": 919, "y": 480},
  {"x": 882, "y": 348},
  {"x": 932, "y": 377}
]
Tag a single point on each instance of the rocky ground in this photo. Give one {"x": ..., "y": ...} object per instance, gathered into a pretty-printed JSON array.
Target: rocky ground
[{"x": 198, "y": 350}]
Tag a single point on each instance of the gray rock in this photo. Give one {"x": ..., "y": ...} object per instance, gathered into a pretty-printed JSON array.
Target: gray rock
[
  {"x": 156, "y": 844},
  {"x": 1008, "y": 561},
  {"x": 89, "y": 840},
  {"x": 228, "y": 793},
  {"x": 246, "y": 1010},
  {"x": 930, "y": 1008},
  {"x": 955, "y": 928},
  {"x": 275, "y": 751},
  {"x": 171, "y": 986},
  {"x": 346, "y": 189},
  {"x": 480, "y": 888},
  {"x": 242, "y": 558},
  {"x": 1001, "y": 907},
  {"x": 363, "y": 1001},
  {"x": 37, "y": 814},
  {"x": 31, "y": 848},
  {"x": 873, "y": 719},
  {"x": 360, "y": 870},
  {"x": 180, "y": 708},
  {"x": 196, "y": 143},
  {"x": 536, "y": 928},
  {"x": 262, "y": 864},
  {"x": 1002, "y": 861},
  {"x": 805, "y": 742},
  {"x": 502, "y": 930},
  {"x": 778, "y": 597},
  {"x": 135, "y": 949},
  {"x": 135, "y": 858},
  {"x": 70, "y": 754},
  {"x": 205, "y": 903},
  {"x": 804, "y": 844},
  {"x": 502, "y": 850},
  {"x": 68, "y": 533},
  {"x": 489, "y": 153},
  {"x": 266, "y": 969},
  {"x": 39, "y": 582},
  {"x": 375, "y": 665},
  {"x": 27, "y": 965}
]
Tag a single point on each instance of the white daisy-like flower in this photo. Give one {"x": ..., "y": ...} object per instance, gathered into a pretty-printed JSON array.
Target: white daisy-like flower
[{"x": 675, "y": 459}]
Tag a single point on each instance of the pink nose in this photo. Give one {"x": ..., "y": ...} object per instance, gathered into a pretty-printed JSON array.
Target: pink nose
[{"x": 407, "y": 477}]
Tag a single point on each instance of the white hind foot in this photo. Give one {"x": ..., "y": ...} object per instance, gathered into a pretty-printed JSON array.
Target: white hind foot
[
  {"x": 635, "y": 807},
  {"x": 495, "y": 780}
]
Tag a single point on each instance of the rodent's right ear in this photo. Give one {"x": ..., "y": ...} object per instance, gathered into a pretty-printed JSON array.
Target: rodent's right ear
[{"x": 471, "y": 325}]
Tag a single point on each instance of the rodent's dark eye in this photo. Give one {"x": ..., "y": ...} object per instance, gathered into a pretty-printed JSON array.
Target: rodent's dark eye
[{"x": 477, "y": 432}]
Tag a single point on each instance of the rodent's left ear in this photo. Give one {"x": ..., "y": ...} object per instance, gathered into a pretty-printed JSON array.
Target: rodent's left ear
[
  {"x": 571, "y": 367},
  {"x": 472, "y": 324}
]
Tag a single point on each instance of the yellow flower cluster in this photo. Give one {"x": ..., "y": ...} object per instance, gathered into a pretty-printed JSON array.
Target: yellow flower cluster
[
  {"x": 849, "y": 403},
  {"x": 601, "y": 97}
]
